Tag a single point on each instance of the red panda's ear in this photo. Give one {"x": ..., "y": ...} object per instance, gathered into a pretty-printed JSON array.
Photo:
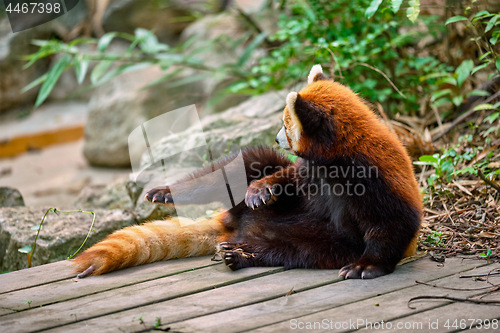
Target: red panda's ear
[
  {"x": 316, "y": 74},
  {"x": 306, "y": 116}
]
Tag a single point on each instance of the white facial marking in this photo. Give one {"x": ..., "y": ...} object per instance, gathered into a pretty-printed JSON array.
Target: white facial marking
[{"x": 281, "y": 139}]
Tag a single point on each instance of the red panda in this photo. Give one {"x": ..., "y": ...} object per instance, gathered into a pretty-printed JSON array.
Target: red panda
[{"x": 350, "y": 201}]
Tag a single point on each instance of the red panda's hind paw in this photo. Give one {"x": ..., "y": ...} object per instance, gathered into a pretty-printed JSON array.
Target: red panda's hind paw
[
  {"x": 259, "y": 194},
  {"x": 355, "y": 271},
  {"x": 160, "y": 195},
  {"x": 233, "y": 256}
]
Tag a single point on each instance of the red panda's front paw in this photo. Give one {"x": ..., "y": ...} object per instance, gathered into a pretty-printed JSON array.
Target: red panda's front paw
[
  {"x": 355, "y": 271},
  {"x": 160, "y": 195},
  {"x": 258, "y": 194}
]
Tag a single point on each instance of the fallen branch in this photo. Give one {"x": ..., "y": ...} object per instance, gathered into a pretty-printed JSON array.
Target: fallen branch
[
  {"x": 458, "y": 289},
  {"x": 455, "y": 299},
  {"x": 487, "y": 181}
]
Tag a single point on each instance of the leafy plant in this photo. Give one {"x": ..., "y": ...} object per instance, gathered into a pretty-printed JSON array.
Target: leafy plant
[
  {"x": 370, "y": 55},
  {"x": 486, "y": 255},
  {"x": 435, "y": 238},
  {"x": 30, "y": 250}
]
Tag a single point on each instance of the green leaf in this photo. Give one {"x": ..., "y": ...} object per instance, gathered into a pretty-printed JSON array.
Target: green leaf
[
  {"x": 478, "y": 92},
  {"x": 25, "y": 249},
  {"x": 483, "y": 107},
  {"x": 480, "y": 15},
  {"x": 81, "y": 41},
  {"x": 455, "y": 19},
  {"x": 36, "y": 227},
  {"x": 413, "y": 10},
  {"x": 497, "y": 63},
  {"x": 372, "y": 8},
  {"x": 433, "y": 76},
  {"x": 492, "y": 117},
  {"x": 491, "y": 23},
  {"x": 189, "y": 79},
  {"x": 478, "y": 68},
  {"x": 440, "y": 93},
  {"x": 165, "y": 77},
  {"x": 428, "y": 158},
  {"x": 441, "y": 102},
  {"x": 35, "y": 83},
  {"x": 292, "y": 157},
  {"x": 81, "y": 67},
  {"x": 457, "y": 100},
  {"x": 494, "y": 39},
  {"x": 395, "y": 5},
  {"x": 251, "y": 47},
  {"x": 105, "y": 41},
  {"x": 484, "y": 55},
  {"x": 127, "y": 68},
  {"x": 99, "y": 71},
  {"x": 148, "y": 42},
  {"x": 51, "y": 80},
  {"x": 463, "y": 71}
]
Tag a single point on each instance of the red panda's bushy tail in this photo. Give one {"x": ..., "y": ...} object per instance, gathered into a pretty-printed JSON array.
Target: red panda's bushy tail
[{"x": 149, "y": 242}]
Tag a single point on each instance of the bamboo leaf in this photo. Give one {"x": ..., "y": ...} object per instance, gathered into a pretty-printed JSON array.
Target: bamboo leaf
[
  {"x": 81, "y": 67},
  {"x": 33, "y": 84},
  {"x": 99, "y": 71},
  {"x": 105, "y": 41},
  {"x": 51, "y": 80},
  {"x": 251, "y": 47}
]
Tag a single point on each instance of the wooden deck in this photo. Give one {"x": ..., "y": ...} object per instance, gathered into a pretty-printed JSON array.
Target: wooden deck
[{"x": 199, "y": 295}]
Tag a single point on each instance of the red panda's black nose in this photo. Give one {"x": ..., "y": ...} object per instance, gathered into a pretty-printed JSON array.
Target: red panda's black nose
[{"x": 276, "y": 139}]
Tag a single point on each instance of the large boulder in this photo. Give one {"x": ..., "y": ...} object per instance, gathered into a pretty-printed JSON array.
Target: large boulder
[
  {"x": 59, "y": 237},
  {"x": 253, "y": 122},
  {"x": 121, "y": 105}
]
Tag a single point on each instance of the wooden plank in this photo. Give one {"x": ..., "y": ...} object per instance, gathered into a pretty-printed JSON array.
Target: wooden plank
[
  {"x": 133, "y": 296},
  {"x": 380, "y": 309},
  {"x": 443, "y": 319},
  {"x": 72, "y": 288},
  {"x": 318, "y": 299},
  {"x": 481, "y": 328},
  {"x": 36, "y": 276},
  {"x": 207, "y": 302},
  {"x": 5, "y": 311}
]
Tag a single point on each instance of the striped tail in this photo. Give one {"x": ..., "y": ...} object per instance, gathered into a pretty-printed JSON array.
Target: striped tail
[{"x": 149, "y": 242}]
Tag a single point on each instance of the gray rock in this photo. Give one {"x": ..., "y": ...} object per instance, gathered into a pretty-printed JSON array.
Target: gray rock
[
  {"x": 119, "y": 106},
  {"x": 10, "y": 197},
  {"x": 112, "y": 196},
  {"x": 253, "y": 122},
  {"x": 13, "y": 78},
  {"x": 59, "y": 237}
]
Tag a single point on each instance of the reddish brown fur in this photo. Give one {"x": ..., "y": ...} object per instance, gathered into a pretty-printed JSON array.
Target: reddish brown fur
[
  {"x": 365, "y": 129},
  {"x": 150, "y": 242},
  {"x": 328, "y": 125}
]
